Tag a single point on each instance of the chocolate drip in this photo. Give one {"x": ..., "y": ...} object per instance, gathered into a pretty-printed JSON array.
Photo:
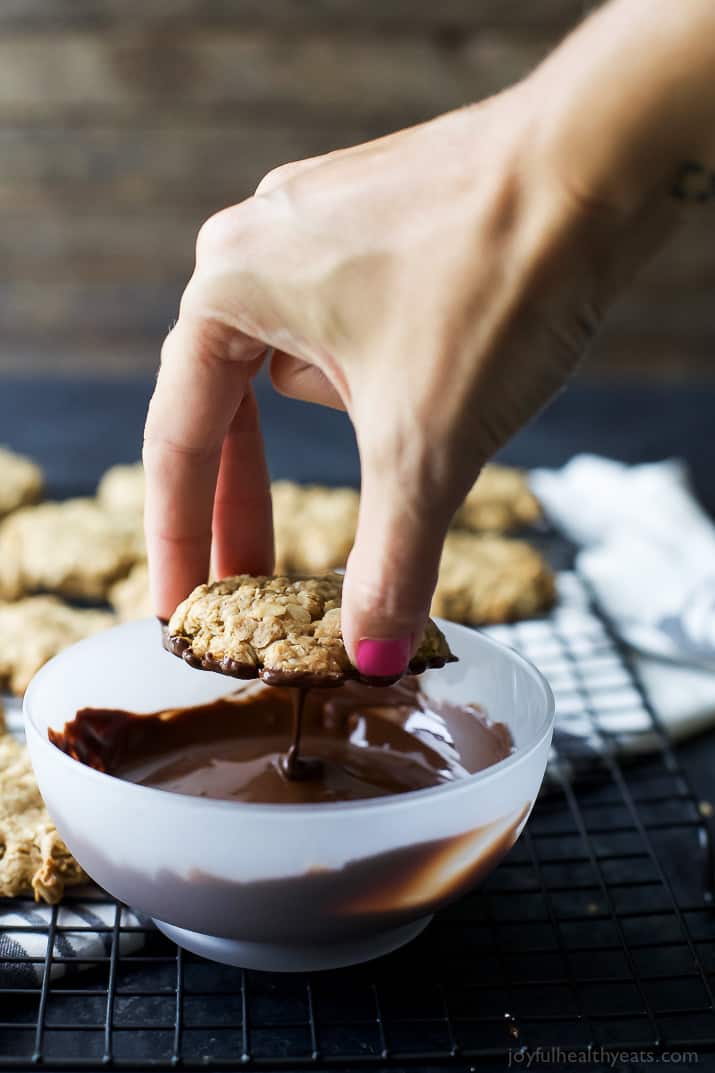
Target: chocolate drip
[{"x": 293, "y": 765}]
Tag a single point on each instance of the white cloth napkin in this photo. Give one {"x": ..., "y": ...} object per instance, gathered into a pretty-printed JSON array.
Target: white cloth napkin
[
  {"x": 648, "y": 552},
  {"x": 84, "y": 928}
]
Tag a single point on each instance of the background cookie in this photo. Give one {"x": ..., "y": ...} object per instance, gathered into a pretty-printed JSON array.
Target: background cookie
[
  {"x": 499, "y": 501},
  {"x": 33, "y": 857},
  {"x": 94, "y": 550},
  {"x": 314, "y": 526},
  {"x": 121, "y": 489},
  {"x": 21, "y": 481},
  {"x": 34, "y": 630},
  {"x": 130, "y": 596},
  {"x": 488, "y": 579},
  {"x": 74, "y": 548}
]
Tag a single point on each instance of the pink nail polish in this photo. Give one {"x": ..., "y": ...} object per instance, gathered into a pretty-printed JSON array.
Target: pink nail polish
[{"x": 383, "y": 659}]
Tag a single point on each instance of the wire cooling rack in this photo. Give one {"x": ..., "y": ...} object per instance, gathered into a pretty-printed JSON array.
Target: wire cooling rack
[{"x": 597, "y": 931}]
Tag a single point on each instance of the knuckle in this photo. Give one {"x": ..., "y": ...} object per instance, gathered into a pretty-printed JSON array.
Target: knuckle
[
  {"x": 168, "y": 347},
  {"x": 212, "y": 233},
  {"x": 209, "y": 331},
  {"x": 394, "y": 457},
  {"x": 160, "y": 452},
  {"x": 224, "y": 230},
  {"x": 277, "y": 176}
]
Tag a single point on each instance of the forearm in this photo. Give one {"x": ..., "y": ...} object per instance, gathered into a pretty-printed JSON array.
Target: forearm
[{"x": 629, "y": 98}]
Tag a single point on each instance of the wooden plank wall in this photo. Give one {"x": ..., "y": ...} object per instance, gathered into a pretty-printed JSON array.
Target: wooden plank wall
[{"x": 123, "y": 125}]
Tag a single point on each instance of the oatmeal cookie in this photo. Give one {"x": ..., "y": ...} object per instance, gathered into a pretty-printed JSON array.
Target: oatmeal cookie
[
  {"x": 35, "y": 629},
  {"x": 21, "y": 481},
  {"x": 499, "y": 501},
  {"x": 488, "y": 579},
  {"x": 73, "y": 548},
  {"x": 33, "y": 857},
  {"x": 283, "y": 630},
  {"x": 121, "y": 489},
  {"x": 314, "y": 526},
  {"x": 130, "y": 596}
]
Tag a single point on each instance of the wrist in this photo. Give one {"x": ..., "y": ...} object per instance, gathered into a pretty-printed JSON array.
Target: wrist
[{"x": 629, "y": 99}]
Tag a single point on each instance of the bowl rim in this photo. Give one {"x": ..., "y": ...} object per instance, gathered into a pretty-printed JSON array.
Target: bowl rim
[{"x": 389, "y": 802}]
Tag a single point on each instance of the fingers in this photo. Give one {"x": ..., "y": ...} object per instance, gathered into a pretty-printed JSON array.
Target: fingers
[
  {"x": 197, "y": 395},
  {"x": 299, "y": 380},
  {"x": 242, "y": 521},
  {"x": 391, "y": 573}
]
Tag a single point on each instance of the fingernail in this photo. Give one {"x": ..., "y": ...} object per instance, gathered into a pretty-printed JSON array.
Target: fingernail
[{"x": 383, "y": 659}]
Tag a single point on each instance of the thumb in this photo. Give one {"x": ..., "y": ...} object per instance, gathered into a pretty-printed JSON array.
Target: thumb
[{"x": 391, "y": 575}]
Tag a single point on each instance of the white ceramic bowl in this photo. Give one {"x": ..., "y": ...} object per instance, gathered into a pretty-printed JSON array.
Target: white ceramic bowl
[{"x": 274, "y": 886}]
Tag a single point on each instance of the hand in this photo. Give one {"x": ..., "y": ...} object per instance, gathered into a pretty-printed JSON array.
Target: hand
[{"x": 439, "y": 284}]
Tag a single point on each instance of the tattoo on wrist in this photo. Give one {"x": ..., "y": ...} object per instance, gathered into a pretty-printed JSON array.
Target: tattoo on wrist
[{"x": 694, "y": 183}]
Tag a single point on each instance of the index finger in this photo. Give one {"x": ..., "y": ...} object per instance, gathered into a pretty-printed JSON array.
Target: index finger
[{"x": 205, "y": 370}]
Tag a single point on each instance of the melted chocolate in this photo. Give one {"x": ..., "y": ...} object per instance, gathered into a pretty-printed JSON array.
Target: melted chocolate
[{"x": 355, "y": 742}]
